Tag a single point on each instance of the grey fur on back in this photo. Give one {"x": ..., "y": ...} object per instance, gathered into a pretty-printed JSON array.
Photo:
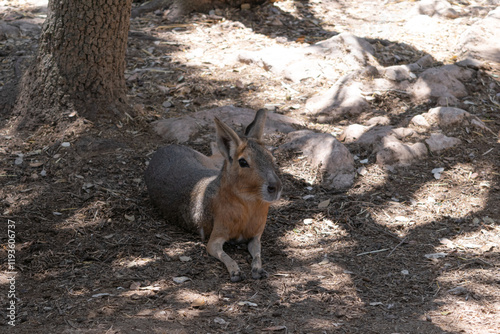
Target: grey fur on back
[{"x": 181, "y": 182}]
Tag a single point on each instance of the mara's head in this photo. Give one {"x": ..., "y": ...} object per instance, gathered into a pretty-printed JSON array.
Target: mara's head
[{"x": 249, "y": 166}]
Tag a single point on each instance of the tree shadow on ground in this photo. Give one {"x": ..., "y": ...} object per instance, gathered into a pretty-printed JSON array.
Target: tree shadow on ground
[
  {"x": 87, "y": 234},
  {"x": 81, "y": 252}
]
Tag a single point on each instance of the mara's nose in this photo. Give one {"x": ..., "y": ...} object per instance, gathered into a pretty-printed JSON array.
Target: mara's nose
[{"x": 273, "y": 185}]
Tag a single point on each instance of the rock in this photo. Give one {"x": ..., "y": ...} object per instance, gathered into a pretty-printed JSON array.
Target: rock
[
  {"x": 329, "y": 58},
  {"x": 324, "y": 150},
  {"x": 343, "y": 98},
  {"x": 241, "y": 117},
  {"x": 421, "y": 64},
  {"x": 420, "y": 121},
  {"x": 370, "y": 72},
  {"x": 459, "y": 290},
  {"x": 446, "y": 116},
  {"x": 377, "y": 85},
  {"x": 480, "y": 41},
  {"x": 359, "y": 51},
  {"x": 27, "y": 28},
  {"x": 470, "y": 63},
  {"x": 353, "y": 132},
  {"x": 394, "y": 152},
  {"x": 398, "y": 73},
  {"x": 443, "y": 84},
  {"x": 437, "y": 7},
  {"x": 179, "y": 130},
  {"x": 427, "y": 7},
  {"x": 451, "y": 117},
  {"x": 438, "y": 142},
  {"x": 370, "y": 137},
  {"x": 8, "y": 31},
  {"x": 378, "y": 120},
  {"x": 450, "y": 13},
  {"x": 184, "y": 129},
  {"x": 434, "y": 256}
]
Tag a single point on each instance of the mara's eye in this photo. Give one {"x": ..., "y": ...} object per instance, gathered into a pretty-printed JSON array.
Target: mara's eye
[{"x": 243, "y": 163}]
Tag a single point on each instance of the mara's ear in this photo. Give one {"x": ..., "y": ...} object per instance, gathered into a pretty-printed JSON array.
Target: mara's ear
[
  {"x": 227, "y": 140},
  {"x": 256, "y": 128}
]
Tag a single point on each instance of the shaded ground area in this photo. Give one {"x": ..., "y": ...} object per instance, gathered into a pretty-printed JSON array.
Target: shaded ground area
[{"x": 401, "y": 251}]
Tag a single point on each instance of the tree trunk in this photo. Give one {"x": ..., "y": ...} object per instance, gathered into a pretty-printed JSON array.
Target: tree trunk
[{"x": 80, "y": 63}]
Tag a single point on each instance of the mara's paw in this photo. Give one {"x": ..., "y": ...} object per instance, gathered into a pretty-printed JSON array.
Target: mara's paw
[
  {"x": 259, "y": 273},
  {"x": 237, "y": 276}
]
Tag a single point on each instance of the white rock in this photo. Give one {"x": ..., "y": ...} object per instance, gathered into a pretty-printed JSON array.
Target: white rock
[
  {"x": 420, "y": 120},
  {"x": 220, "y": 321},
  {"x": 435, "y": 255},
  {"x": 437, "y": 172},
  {"x": 181, "y": 279}
]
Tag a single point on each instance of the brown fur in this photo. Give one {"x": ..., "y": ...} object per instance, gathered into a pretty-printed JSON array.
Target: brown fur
[{"x": 230, "y": 205}]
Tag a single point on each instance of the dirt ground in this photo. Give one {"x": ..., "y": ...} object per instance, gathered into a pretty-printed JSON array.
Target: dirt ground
[{"x": 94, "y": 256}]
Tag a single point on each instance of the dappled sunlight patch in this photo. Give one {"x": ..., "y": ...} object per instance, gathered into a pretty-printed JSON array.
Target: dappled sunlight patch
[
  {"x": 468, "y": 302},
  {"x": 195, "y": 299},
  {"x": 308, "y": 232},
  {"x": 485, "y": 241},
  {"x": 88, "y": 216},
  {"x": 134, "y": 262}
]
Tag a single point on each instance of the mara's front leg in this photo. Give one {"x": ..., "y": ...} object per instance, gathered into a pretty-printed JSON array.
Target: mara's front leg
[
  {"x": 254, "y": 249},
  {"x": 214, "y": 248}
]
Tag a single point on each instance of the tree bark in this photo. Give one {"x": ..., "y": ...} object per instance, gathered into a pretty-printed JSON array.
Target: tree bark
[{"x": 80, "y": 63}]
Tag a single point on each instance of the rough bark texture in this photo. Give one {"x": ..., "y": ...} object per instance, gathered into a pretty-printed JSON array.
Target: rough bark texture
[{"x": 80, "y": 63}]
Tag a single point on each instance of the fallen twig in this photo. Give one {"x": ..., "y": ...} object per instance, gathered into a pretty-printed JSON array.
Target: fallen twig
[
  {"x": 373, "y": 252},
  {"x": 402, "y": 241}
]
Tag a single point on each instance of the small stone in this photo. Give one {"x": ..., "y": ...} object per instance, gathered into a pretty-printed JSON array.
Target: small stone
[
  {"x": 435, "y": 255},
  {"x": 324, "y": 261},
  {"x": 65, "y": 144},
  {"x": 437, "y": 172},
  {"x": 420, "y": 120},
  {"x": 181, "y": 279},
  {"x": 362, "y": 171},
  {"x": 135, "y": 286},
  {"x": 218, "y": 320},
  {"x": 459, "y": 290},
  {"x": 130, "y": 218}
]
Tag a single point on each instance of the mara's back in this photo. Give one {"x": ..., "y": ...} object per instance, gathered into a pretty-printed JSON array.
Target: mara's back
[{"x": 181, "y": 183}]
